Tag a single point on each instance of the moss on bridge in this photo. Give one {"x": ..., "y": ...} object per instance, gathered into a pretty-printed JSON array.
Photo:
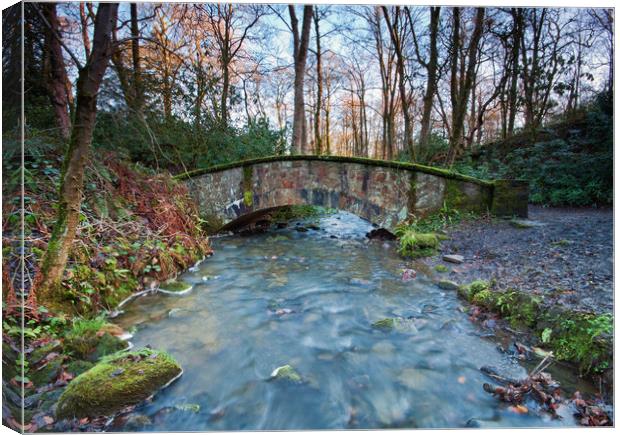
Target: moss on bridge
[{"x": 339, "y": 159}]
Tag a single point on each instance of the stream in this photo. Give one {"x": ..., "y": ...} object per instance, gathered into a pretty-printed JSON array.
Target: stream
[{"x": 309, "y": 299}]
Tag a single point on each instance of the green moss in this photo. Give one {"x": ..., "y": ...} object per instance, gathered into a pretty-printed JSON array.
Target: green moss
[
  {"x": 584, "y": 338},
  {"x": 77, "y": 367},
  {"x": 119, "y": 380},
  {"x": 338, "y": 159},
  {"x": 115, "y": 295},
  {"x": 385, "y": 324},
  {"x": 48, "y": 373},
  {"x": 287, "y": 373},
  {"x": 248, "y": 197},
  {"x": 581, "y": 338},
  {"x": 441, "y": 268},
  {"x": 87, "y": 340},
  {"x": 416, "y": 245},
  {"x": 510, "y": 198}
]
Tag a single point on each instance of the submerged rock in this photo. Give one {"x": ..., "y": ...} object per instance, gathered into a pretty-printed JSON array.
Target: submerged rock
[
  {"x": 385, "y": 324},
  {"x": 188, "y": 407},
  {"x": 97, "y": 393},
  {"x": 175, "y": 287},
  {"x": 448, "y": 285},
  {"x": 287, "y": 373}
]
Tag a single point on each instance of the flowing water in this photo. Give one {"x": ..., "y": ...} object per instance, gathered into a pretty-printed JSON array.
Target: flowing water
[{"x": 308, "y": 299}]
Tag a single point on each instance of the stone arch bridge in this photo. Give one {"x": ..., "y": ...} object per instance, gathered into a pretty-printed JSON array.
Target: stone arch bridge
[{"x": 383, "y": 192}]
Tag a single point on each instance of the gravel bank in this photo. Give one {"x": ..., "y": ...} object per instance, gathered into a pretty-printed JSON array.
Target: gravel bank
[{"x": 563, "y": 254}]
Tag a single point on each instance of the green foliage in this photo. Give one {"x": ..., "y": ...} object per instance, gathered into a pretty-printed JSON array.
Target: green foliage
[
  {"x": 179, "y": 145},
  {"x": 580, "y": 338},
  {"x": 569, "y": 162},
  {"x": 434, "y": 152}
]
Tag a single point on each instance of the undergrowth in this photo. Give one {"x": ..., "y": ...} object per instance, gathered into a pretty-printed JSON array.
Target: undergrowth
[{"x": 581, "y": 338}]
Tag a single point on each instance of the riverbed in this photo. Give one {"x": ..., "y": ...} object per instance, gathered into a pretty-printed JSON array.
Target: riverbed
[{"x": 307, "y": 296}]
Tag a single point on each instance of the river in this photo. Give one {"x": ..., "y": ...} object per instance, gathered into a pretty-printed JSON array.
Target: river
[{"x": 309, "y": 299}]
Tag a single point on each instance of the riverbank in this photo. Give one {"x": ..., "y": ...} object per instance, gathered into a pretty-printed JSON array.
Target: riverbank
[
  {"x": 555, "y": 268},
  {"x": 138, "y": 230},
  {"x": 563, "y": 254}
]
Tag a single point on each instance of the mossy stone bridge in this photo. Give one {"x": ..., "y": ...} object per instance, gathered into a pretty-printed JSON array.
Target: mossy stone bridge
[{"x": 383, "y": 192}]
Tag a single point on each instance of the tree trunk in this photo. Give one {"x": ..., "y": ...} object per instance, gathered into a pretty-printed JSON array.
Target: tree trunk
[
  {"x": 319, "y": 84},
  {"x": 138, "y": 100},
  {"x": 431, "y": 79},
  {"x": 517, "y": 16},
  {"x": 300, "y": 54},
  {"x": 76, "y": 156},
  {"x": 400, "y": 65},
  {"x": 57, "y": 77},
  {"x": 462, "y": 91}
]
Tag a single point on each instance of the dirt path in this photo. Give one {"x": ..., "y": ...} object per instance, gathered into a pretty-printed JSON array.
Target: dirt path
[{"x": 564, "y": 254}]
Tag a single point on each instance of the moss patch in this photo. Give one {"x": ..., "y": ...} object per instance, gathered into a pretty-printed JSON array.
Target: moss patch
[
  {"x": 119, "y": 380},
  {"x": 385, "y": 324},
  {"x": 88, "y": 340},
  {"x": 581, "y": 338},
  {"x": 287, "y": 373},
  {"x": 416, "y": 245},
  {"x": 441, "y": 268},
  {"x": 248, "y": 197},
  {"x": 339, "y": 159}
]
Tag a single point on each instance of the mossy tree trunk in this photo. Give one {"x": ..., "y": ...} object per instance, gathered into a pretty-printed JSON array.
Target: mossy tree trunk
[{"x": 76, "y": 156}]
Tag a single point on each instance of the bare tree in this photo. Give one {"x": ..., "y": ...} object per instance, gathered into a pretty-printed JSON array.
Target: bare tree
[
  {"x": 462, "y": 72},
  {"x": 300, "y": 54},
  {"x": 396, "y": 29},
  {"x": 431, "y": 66}
]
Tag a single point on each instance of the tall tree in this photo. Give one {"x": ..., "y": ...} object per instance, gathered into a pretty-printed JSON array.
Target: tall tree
[
  {"x": 300, "y": 54},
  {"x": 431, "y": 66},
  {"x": 57, "y": 80},
  {"x": 69, "y": 202},
  {"x": 462, "y": 76},
  {"x": 319, "y": 84},
  {"x": 225, "y": 21},
  {"x": 396, "y": 30}
]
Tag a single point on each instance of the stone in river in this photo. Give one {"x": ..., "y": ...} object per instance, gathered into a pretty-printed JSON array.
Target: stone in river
[
  {"x": 287, "y": 373},
  {"x": 452, "y": 258},
  {"x": 448, "y": 285}
]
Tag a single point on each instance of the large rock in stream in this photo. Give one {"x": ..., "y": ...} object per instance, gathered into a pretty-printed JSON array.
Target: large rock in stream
[{"x": 119, "y": 380}]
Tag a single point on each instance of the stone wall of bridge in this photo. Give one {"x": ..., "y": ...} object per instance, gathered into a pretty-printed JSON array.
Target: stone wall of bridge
[{"x": 385, "y": 193}]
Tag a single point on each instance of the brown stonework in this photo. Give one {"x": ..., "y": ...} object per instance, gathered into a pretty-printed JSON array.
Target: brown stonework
[{"x": 383, "y": 194}]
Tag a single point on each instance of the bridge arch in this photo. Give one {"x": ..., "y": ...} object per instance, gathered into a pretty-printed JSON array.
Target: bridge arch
[{"x": 383, "y": 192}]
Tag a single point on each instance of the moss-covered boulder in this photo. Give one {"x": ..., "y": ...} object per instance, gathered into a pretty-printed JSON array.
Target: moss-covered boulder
[{"x": 119, "y": 380}]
